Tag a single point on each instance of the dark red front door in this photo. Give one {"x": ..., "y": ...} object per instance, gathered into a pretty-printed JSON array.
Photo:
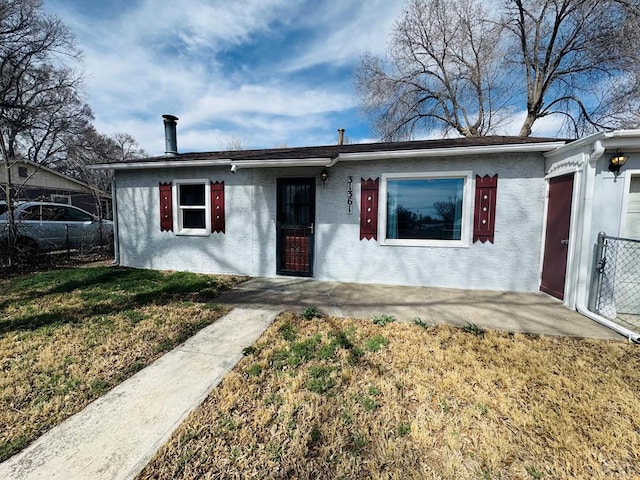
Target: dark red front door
[
  {"x": 295, "y": 225},
  {"x": 554, "y": 265}
]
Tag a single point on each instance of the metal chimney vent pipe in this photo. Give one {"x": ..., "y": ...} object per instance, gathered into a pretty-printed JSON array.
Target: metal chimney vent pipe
[
  {"x": 170, "y": 138},
  {"x": 340, "y": 136}
]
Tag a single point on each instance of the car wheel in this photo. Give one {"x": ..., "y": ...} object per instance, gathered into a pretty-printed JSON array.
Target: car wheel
[{"x": 26, "y": 249}]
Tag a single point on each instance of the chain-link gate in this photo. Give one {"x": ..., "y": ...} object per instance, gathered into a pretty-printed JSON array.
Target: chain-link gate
[{"x": 616, "y": 293}]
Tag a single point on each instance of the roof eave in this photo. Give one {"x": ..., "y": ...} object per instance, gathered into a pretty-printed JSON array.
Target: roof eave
[
  {"x": 452, "y": 151},
  {"x": 330, "y": 161},
  {"x": 285, "y": 162},
  {"x": 161, "y": 164},
  {"x": 616, "y": 139}
]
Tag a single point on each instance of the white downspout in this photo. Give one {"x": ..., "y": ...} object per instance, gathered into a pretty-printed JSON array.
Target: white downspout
[
  {"x": 114, "y": 210},
  {"x": 584, "y": 259}
]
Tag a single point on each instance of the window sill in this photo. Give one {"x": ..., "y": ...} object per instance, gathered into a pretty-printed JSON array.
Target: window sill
[
  {"x": 192, "y": 232},
  {"x": 425, "y": 243}
]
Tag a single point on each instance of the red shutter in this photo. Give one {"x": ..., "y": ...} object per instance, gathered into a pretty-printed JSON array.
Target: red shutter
[
  {"x": 166, "y": 209},
  {"x": 369, "y": 209},
  {"x": 485, "y": 209},
  {"x": 217, "y": 207}
]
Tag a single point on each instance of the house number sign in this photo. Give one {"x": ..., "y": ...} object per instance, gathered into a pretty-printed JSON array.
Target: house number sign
[{"x": 349, "y": 195}]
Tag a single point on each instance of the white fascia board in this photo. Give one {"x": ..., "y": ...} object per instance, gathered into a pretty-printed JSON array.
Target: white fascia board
[
  {"x": 617, "y": 139},
  {"x": 450, "y": 152},
  {"x": 161, "y": 164},
  {"x": 285, "y": 162}
]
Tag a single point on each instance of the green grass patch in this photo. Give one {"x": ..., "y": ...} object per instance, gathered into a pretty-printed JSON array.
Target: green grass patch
[
  {"x": 310, "y": 312},
  {"x": 421, "y": 323},
  {"x": 320, "y": 379},
  {"x": 376, "y": 342},
  {"x": 383, "y": 319},
  {"x": 289, "y": 333},
  {"x": 68, "y": 336}
]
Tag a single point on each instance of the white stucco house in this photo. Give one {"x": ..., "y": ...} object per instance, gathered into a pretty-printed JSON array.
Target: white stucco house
[{"x": 499, "y": 213}]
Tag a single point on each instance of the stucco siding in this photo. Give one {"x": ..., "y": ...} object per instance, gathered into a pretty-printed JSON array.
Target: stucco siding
[{"x": 512, "y": 262}]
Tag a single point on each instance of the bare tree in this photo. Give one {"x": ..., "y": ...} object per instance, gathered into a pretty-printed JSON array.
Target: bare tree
[
  {"x": 443, "y": 71},
  {"x": 235, "y": 143},
  {"x": 92, "y": 148},
  {"x": 455, "y": 66},
  {"x": 577, "y": 56},
  {"x": 40, "y": 105}
]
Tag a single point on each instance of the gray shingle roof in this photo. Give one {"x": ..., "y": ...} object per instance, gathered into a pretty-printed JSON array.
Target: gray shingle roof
[{"x": 332, "y": 151}]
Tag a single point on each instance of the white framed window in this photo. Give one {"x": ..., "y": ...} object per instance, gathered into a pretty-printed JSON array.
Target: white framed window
[
  {"x": 425, "y": 209},
  {"x": 61, "y": 198},
  {"x": 631, "y": 205},
  {"x": 192, "y": 207}
]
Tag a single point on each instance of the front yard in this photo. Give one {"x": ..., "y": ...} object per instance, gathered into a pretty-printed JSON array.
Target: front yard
[
  {"x": 68, "y": 336},
  {"x": 322, "y": 397},
  {"x": 335, "y": 398}
]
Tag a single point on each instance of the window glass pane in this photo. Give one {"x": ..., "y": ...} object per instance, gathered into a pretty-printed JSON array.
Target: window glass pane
[
  {"x": 425, "y": 208},
  {"x": 31, "y": 213},
  {"x": 192, "y": 194},
  {"x": 296, "y": 204},
  {"x": 51, "y": 213},
  {"x": 73, "y": 215},
  {"x": 193, "y": 218}
]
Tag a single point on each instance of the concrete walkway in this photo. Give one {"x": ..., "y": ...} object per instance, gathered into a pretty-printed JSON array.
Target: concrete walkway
[{"x": 115, "y": 436}]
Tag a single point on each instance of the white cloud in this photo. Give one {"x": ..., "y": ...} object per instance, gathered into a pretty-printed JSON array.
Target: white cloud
[
  {"x": 160, "y": 56},
  {"x": 550, "y": 126},
  {"x": 281, "y": 100},
  {"x": 353, "y": 28}
]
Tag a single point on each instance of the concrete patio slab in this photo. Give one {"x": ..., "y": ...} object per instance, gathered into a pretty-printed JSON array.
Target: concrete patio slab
[{"x": 536, "y": 313}]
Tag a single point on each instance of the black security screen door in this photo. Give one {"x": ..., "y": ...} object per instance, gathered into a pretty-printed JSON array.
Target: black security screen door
[{"x": 295, "y": 225}]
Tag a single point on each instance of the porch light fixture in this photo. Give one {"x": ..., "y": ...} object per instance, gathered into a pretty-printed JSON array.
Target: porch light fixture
[
  {"x": 617, "y": 161},
  {"x": 324, "y": 176}
]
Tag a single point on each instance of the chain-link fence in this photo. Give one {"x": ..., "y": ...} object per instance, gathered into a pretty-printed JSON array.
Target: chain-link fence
[
  {"x": 42, "y": 242},
  {"x": 616, "y": 293}
]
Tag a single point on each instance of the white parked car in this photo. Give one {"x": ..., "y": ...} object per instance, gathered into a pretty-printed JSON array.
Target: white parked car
[{"x": 46, "y": 227}]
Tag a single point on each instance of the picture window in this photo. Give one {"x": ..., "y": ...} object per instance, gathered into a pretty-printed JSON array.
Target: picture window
[{"x": 428, "y": 210}]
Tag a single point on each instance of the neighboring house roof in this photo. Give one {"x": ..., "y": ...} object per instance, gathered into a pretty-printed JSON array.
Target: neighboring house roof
[
  {"x": 329, "y": 155},
  {"x": 44, "y": 177}
]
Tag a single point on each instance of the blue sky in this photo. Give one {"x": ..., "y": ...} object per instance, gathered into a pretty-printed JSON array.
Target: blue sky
[
  {"x": 259, "y": 73},
  {"x": 264, "y": 73}
]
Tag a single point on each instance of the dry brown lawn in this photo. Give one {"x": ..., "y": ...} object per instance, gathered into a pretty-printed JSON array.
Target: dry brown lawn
[
  {"x": 335, "y": 398},
  {"x": 68, "y": 336}
]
